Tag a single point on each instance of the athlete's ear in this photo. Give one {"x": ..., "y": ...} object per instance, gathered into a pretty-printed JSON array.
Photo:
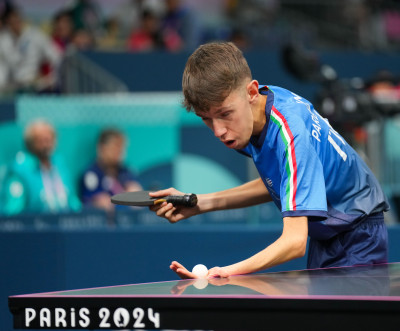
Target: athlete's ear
[{"x": 252, "y": 90}]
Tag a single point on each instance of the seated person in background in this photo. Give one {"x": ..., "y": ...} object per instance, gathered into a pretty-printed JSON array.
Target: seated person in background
[
  {"x": 148, "y": 36},
  {"x": 62, "y": 31},
  {"x": 107, "y": 176},
  {"x": 38, "y": 181},
  {"x": 29, "y": 60}
]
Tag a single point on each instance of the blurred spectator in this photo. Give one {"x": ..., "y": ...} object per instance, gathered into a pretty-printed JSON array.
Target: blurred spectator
[
  {"x": 213, "y": 16},
  {"x": 38, "y": 181},
  {"x": 392, "y": 25},
  {"x": 128, "y": 14},
  {"x": 82, "y": 40},
  {"x": 376, "y": 23},
  {"x": 107, "y": 175},
  {"x": 29, "y": 60},
  {"x": 254, "y": 23},
  {"x": 87, "y": 16},
  {"x": 180, "y": 27},
  {"x": 62, "y": 30},
  {"x": 5, "y": 6},
  {"x": 111, "y": 39},
  {"x": 365, "y": 17},
  {"x": 148, "y": 36}
]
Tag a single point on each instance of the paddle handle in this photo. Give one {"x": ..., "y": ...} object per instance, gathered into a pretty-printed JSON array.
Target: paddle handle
[{"x": 187, "y": 200}]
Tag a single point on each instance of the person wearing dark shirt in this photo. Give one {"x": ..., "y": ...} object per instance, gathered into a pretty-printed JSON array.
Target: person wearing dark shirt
[{"x": 107, "y": 175}]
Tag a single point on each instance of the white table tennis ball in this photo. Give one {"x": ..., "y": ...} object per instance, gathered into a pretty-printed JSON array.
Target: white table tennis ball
[
  {"x": 200, "y": 283},
  {"x": 200, "y": 271}
]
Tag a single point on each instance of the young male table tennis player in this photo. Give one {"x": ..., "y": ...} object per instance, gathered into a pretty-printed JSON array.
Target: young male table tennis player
[{"x": 322, "y": 187}]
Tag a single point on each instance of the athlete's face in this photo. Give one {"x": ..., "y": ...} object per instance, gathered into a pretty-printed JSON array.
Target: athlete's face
[{"x": 233, "y": 122}]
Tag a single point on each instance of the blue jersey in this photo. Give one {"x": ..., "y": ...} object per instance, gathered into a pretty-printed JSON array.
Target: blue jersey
[{"x": 309, "y": 169}]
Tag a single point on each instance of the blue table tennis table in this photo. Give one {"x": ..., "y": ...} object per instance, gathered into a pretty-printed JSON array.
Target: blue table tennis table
[{"x": 348, "y": 298}]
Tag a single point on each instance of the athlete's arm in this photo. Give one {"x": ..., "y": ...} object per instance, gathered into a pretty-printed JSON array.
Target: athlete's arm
[
  {"x": 249, "y": 194},
  {"x": 246, "y": 195},
  {"x": 290, "y": 245}
]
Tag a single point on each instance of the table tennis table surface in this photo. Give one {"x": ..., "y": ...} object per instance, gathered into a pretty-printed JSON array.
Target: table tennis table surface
[{"x": 360, "y": 297}]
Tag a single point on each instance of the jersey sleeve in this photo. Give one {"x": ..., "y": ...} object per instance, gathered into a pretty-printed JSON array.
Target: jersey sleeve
[{"x": 302, "y": 187}]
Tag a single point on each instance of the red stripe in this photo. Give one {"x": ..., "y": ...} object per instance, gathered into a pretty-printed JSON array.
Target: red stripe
[{"x": 292, "y": 152}]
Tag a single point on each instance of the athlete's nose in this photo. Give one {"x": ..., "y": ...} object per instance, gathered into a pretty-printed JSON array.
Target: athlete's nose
[{"x": 218, "y": 128}]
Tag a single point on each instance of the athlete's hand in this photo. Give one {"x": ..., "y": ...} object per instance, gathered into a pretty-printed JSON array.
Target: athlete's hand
[
  {"x": 167, "y": 210},
  {"x": 181, "y": 271},
  {"x": 217, "y": 272}
]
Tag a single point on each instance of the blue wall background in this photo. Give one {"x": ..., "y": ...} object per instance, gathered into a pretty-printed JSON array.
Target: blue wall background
[{"x": 163, "y": 71}]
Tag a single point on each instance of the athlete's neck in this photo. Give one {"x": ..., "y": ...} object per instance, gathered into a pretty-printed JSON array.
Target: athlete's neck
[{"x": 259, "y": 115}]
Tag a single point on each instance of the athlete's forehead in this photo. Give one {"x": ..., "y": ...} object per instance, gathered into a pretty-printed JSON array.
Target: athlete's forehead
[
  {"x": 230, "y": 102},
  {"x": 213, "y": 110}
]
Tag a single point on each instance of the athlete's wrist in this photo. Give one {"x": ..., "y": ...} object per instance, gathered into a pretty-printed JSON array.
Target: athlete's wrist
[{"x": 206, "y": 202}]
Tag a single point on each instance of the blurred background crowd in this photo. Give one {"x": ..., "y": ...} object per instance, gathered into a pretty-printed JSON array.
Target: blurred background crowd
[{"x": 56, "y": 28}]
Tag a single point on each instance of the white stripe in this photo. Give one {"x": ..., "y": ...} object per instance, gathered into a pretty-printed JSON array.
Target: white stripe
[
  {"x": 290, "y": 159},
  {"x": 337, "y": 148}
]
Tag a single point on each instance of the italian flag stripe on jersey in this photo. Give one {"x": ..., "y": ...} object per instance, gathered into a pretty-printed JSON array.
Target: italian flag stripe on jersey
[{"x": 291, "y": 164}]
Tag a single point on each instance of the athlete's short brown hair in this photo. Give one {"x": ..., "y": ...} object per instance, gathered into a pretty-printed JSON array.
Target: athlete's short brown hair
[{"x": 211, "y": 73}]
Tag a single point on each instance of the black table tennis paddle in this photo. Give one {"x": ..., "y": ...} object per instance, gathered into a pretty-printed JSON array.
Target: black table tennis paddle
[{"x": 142, "y": 198}]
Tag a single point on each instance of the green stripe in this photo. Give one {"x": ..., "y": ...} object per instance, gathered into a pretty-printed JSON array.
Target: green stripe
[
  {"x": 287, "y": 167},
  {"x": 288, "y": 185}
]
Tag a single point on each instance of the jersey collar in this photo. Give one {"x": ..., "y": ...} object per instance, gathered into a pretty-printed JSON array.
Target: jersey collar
[{"x": 257, "y": 141}]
